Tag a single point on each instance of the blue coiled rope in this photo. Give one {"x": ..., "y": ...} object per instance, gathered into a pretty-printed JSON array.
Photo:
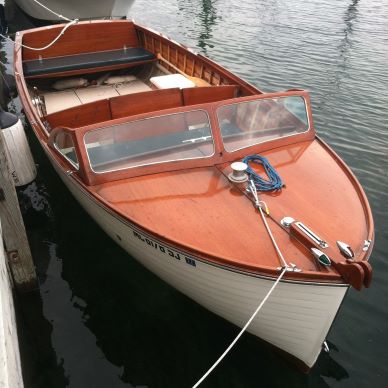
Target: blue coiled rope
[{"x": 274, "y": 183}]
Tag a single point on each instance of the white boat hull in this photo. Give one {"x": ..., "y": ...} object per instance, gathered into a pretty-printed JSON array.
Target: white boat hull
[
  {"x": 295, "y": 319},
  {"x": 75, "y": 9}
]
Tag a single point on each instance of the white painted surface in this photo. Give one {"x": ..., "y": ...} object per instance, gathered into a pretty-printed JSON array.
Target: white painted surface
[
  {"x": 95, "y": 93},
  {"x": 296, "y": 318},
  {"x": 21, "y": 162},
  {"x": 172, "y": 81},
  {"x": 76, "y": 9},
  {"x": 132, "y": 87},
  {"x": 10, "y": 368}
]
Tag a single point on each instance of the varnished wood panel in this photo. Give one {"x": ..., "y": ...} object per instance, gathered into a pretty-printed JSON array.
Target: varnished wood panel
[
  {"x": 133, "y": 104},
  {"x": 203, "y": 95},
  {"x": 82, "y": 38},
  {"x": 190, "y": 63},
  {"x": 79, "y": 116}
]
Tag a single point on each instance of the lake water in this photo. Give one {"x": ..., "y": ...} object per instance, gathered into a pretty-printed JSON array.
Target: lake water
[{"x": 101, "y": 320}]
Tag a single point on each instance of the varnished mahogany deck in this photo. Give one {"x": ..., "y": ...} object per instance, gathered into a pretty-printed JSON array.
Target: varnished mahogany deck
[{"x": 198, "y": 209}]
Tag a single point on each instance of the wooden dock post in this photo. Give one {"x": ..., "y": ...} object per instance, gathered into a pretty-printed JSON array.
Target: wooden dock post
[
  {"x": 14, "y": 232},
  {"x": 10, "y": 365}
]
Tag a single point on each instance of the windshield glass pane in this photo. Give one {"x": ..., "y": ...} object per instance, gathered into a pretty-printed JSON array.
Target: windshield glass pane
[
  {"x": 248, "y": 123},
  {"x": 63, "y": 142},
  {"x": 153, "y": 140}
]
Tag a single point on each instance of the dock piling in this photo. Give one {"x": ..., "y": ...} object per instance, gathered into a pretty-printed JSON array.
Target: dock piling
[{"x": 14, "y": 233}]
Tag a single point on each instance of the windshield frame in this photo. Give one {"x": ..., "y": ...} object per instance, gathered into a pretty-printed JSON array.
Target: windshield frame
[
  {"x": 259, "y": 142},
  {"x": 92, "y": 178},
  {"x": 220, "y": 156},
  {"x": 132, "y": 121},
  {"x": 269, "y": 144}
]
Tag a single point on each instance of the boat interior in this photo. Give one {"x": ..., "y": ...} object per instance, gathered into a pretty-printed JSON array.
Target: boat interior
[
  {"x": 131, "y": 108},
  {"x": 141, "y": 74},
  {"x": 137, "y": 60}
]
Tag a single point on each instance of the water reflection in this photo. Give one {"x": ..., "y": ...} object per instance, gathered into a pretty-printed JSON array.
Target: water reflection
[
  {"x": 206, "y": 14},
  {"x": 208, "y": 17},
  {"x": 345, "y": 45},
  {"x": 329, "y": 367}
]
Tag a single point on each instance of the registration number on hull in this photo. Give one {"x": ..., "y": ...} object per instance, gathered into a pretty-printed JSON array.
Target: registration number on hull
[{"x": 165, "y": 250}]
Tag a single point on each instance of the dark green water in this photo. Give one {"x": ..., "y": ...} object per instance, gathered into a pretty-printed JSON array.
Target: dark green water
[{"x": 101, "y": 320}]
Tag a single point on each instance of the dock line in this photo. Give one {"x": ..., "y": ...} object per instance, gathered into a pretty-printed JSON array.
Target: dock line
[
  {"x": 70, "y": 23},
  {"x": 284, "y": 269}
]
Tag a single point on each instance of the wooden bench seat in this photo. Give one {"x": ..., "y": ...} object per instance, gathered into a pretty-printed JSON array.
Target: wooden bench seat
[{"x": 73, "y": 63}]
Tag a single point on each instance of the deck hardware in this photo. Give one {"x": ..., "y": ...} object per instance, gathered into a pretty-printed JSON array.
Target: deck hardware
[
  {"x": 311, "y": 235},
  {"x": 325, "y": 347},
  {"x": 321, "y": 257},
  {"x": 366, "y": 245},
  {"x": 293, "y": 268},
  {"x": 197, "y": 139},
  {"x": 345, "y": 249},
  {"x": 238, "y": 174},
  {"x": 290, "y": 268},
  {"x": 13, "y": 256},
  {"x": 69, "y": 172},
  {"x": 287, "y": 221}
]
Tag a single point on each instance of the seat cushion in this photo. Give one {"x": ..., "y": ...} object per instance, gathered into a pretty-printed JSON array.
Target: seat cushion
[
  {"x": 86, "y": 61},
  {"x": 172, "y": 81}
]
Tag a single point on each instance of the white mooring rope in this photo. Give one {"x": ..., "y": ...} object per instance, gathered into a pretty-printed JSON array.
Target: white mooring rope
[
  {"x": 285, "y": 267},
  {"x": 53, "y": 12},
  {"x": 242, "y": 330},
  {"x": 70, "y": 23}
]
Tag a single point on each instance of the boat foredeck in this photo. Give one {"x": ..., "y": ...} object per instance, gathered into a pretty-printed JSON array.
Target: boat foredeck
[{"x": 201, "y": 212}]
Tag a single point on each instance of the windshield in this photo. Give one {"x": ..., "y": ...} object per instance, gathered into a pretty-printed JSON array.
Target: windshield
[
  {"x": 252, "y": 122},
  {"x": 153, "y": 140}
]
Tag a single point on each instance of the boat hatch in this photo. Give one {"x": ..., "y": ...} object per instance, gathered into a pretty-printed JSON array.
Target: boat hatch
[
  {"x": 166, "y": 138},
  {"x": 247, "y": 123}
]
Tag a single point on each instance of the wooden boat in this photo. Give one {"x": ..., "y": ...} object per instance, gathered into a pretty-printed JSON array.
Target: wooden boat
[
  {"x": 143, "y": 133},
  {"x": 86, "y": 9}
]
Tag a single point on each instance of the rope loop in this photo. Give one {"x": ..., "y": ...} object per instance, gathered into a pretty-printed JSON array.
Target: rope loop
[
  {"x": 274, "y": 181},
  {"x": 67, "y": 25}
]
